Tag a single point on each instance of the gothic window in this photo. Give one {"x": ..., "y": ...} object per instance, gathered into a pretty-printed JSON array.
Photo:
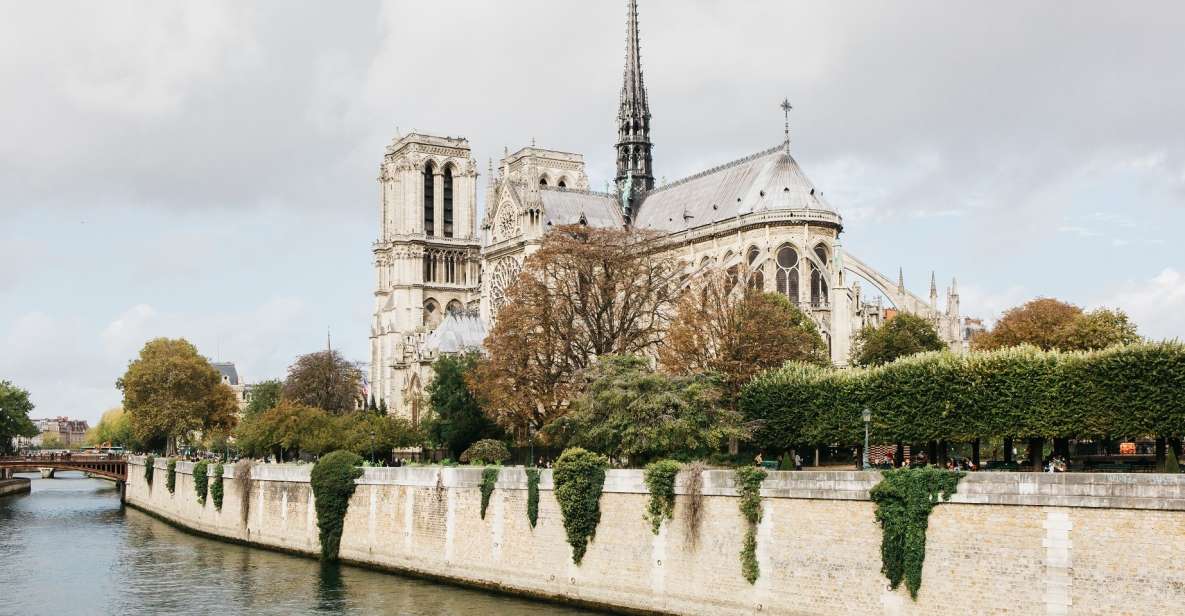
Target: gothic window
[
  {"x": 787, "y": 275},
  {"x": 819, "y": 295},
  {"x": 563, "y": 183},
  {"x": 504, "y": 274},
  {"x": 543, "y": 181},
  {"x": 430, "y": 267},
  {"x": 431, "y": 313},
  {"x": 429, "y": 200},
  {"x": 756, "y": 272},
  {"x": 507, "y": 222},
  {"x": 730, "y": 273},
  {"x": 448, "y": 201},
  {"x": 455, "y": 308}
]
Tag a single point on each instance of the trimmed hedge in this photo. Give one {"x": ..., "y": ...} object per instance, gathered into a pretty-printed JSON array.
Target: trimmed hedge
[
  {"x": 1020, "y": 392},
  {"x": 533, "y": 496},
  {"x": 149, "y": 467},
  {"x": 489, "y": 478}
]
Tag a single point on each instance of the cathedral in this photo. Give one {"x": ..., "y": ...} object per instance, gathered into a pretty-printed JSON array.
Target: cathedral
[{"x": 442, "y": 272}]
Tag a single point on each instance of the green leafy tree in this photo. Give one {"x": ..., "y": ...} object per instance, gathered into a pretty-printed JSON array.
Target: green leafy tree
[
  {"x": 1051, "y": 324},
  {"x": 628, "y": 411},
  {"x": 324, "y": 380},
  {"x": 1099, "y": 329},
  {"x": 172, "y": 392},
  {"x": 286, "y": 429},
  {"x": 264, "y": 396},
  {"x": 373, "y": 436},
  {"x": 457, "y": 419},
  {"x": 904, "y": 334},
  {"x": 15, "y": 407},
  {"x": 486, "y": 451},
  {"x": 52, "y": 441},
  {"x": 114, "y": 429}
]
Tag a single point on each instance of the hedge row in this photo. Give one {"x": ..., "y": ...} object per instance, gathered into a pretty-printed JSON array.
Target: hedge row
[{"x": 1136, "y": 390}]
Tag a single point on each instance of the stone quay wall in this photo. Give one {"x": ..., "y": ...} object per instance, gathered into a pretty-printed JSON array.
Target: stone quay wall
[
  {"x": 14, "y": 485},
  {"x": 1007, "y": 543}
]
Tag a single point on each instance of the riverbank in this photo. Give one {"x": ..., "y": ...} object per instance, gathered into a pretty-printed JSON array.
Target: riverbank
[
  {"x": 1038, "y": 543},
  {"x": 16, "y": 485}
]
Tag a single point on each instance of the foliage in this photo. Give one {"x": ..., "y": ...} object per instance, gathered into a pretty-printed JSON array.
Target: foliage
[
  {"x": 52, "y": 441},
  {"x": 244, "y": 483},
  {"x": 736, "y": 333},
  {"x": 1050, "y": 324},
  {"x": 1171, "y": 464},
  {"x": 324, "y": 380},
  {"x": 15, "y": 407},
  {"x": 1021, "y": 392},
  {"x": 748, "y": 485},
  {"x": 628, "y": 411},
  {"x": 902, "y": 335},
  {"x": 264, "y": 396},
  {"x": 693, "y": 512},
  {"x": 216, "y": 487},
  {"x": 149, "y": 469},
  {"x": 171, "y": 391},
  {"x": 579, "y": 477},
  {"x": 532, "y": 496},
  {"x": 486, "y": 450},
  {"x": 904, "y": 500},
  {"x": 489, "y": 478},
  {"x": 457, "y": 420},
  {"x": 660, "y": 482},
  {"x": 333, "y": 484},
  {"x": 113, "y": 430},
  {"x": 291, "y": 427},
  {"x": 587, "y": 292},
  {"x": 171, "y": 475},
  {"x": 201, "y": 480}
]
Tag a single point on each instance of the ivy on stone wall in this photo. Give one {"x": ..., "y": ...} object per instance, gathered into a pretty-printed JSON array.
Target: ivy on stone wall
[
  {"x": 660, "y": 481},
  {"x": 904, "y": 500},
  {"x": 489, "y": 477},
  {"x": 748, "y": 485},
  {"x": 579, "y": 478},
  {"x": 244, "y": 483},
  {"x": 149, "y": 468},
  {"x": 216, "y": 486},
  {"x": 201, "y": 481},
  {"x": 532, "y": 496},
  {"x": 333, "y": 484},
  {"x": 171, "y": 475}
]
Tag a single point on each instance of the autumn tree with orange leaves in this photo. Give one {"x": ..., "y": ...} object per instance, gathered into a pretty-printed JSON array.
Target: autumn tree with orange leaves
[{"x": 1050, "y": 324}]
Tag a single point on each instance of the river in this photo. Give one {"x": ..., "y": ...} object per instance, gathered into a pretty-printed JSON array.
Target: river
[{"x": 69, "y": 548}]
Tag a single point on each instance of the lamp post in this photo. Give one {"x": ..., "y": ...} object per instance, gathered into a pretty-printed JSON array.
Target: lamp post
[
  {"x": 372, "y": 446},
  {"x": 867, "y": 419}
]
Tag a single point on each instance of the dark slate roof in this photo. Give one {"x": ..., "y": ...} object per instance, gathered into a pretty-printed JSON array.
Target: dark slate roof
[
  {"x": 562, "y": 206},
  {"x": 228, "y": 371}
]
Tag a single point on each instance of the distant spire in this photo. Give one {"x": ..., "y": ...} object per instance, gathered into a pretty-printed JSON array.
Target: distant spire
[
  {"x": 933, "y": 289},
  {"x": 954, "y": 286},
  {"x": 634, "y": 149},
  {"x": 901, "y": 281},
  {"x": 786, "y": 107}
]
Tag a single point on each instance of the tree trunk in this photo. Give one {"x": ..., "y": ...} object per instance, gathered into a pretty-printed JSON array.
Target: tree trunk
[
  {"x": 1175, "y": 443},
  {"x": 1036, "y": 444},
  {"x": 932, "y": 452},
  {"x": 899, "y": 457},
  {"x": 1008, "y": 447},
  {"x": 1160, "y": 447},
  {"x": 975, "y": 453},
  {"x": 816, "y": 457}
]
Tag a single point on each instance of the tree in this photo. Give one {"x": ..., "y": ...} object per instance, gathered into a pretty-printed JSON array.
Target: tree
[
  {"x": 15, "y": 407},
  {"x": 170, "y": 391},
  {"x": 114, "y": 429},
  {"x": 374, "y": 436},
  {"x": 291, "y": 428},
  {"x": 1050, "y": 324},
  {"x": 52, "y": 441},
  {"x": 457, "y": 420},
  {"x": 325, "y": 380},
  {"x": 629, "y": 412},
  {"x": 904, "y": 334},
  {"x": 736, "y": 332},
  {"x": 264, "y": 396},
  {"x": 587, "y": 292},
  {"x": 1099, "y": 329}
]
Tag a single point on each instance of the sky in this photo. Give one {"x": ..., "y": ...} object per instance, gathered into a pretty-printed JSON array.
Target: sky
[{"x": 207, "y": 170}]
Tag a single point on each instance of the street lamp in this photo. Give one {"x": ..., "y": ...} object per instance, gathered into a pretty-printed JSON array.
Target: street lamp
[
  {"x": 372, "y": 446},
  {"x": 867, "y": 419}
]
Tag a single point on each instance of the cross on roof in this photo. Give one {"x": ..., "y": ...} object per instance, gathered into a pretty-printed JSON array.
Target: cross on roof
[{"x": 786, "y": 107}]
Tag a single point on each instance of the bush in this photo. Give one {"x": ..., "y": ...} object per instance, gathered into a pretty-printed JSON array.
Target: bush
[
  {"x": 201, "y": 481},
  {"x": 171, "y": 475},
  {"x": 904, "y": 500},
  {"x": 149, "y": 468},
  {"x": 333, "y": 485},
  {"x": 579, "y": 479},
  {"x": 489, "y": 478},
  {"x": 1171, "y": 464},
  {"x": 533, "y": 496},
  {"x": 486, "y": 450},
  {"x": 216, "y": 487},
  {"x": 748, "y": 485},
  {"x": 660, "y": 481}
]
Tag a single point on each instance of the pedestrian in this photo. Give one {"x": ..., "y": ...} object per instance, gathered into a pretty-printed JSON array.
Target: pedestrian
[
  {"x": 758, "y": 460},
  {"x": 797, "y": 461}
]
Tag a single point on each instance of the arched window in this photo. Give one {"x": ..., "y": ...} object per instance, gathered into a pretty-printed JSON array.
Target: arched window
[
  {"x": 430, "y": 267},
  {"x": 756, "y": 272},
  {"x": 543, "y": 181},
  {"x": 563, "y": 183},
  {"x": 429, "y": 200},
  {"x": 431, "y": 313},
  {"x": 455, "y": 308},
  {"x": 448, "y": 201},
  {"x": 730, "y": 273},
  {"x": 787, "y": 276},
  {"x": 819, "y": 295}
]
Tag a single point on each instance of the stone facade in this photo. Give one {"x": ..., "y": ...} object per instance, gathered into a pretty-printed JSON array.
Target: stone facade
[{"x": 1014, "y": 543}]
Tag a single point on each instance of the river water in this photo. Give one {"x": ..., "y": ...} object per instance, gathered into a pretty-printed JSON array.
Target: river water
[{"x": 69, "y": 548}]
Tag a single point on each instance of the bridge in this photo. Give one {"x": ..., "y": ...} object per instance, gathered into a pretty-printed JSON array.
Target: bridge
[{"x": 114, "y": 468}]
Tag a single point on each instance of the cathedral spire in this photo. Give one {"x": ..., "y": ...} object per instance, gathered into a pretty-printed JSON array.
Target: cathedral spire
[{"x": 634, "y": 157}]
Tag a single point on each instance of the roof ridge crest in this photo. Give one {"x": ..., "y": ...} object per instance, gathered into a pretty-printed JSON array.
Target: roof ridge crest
[{"x": 719, "y": 168}]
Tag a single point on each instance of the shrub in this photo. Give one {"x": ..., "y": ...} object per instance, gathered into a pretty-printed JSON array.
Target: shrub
[
  {"x": 748, "y": 485},
  {"x": 489, "y": 477},
  {"x": 201, "y": 481},
  {"x": 579, "y": 478},
  {"x": 171, "y": 475},
  {"x": 660, "y": 481},
  {"x": 149, "y": 468},
  {"x": 904, "y": 500},
  {"x": 1171, "y": 464},
  {"x": 216, "y": 486},
  {"x": 333, "y": 484},
  {"x": 533, "y": 496},
  {"x": 486, "y": 450}
]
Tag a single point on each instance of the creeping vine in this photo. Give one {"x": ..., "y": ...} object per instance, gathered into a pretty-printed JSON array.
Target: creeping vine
[
  {"x": 579, "y": 478},
  {"x": 904, "y": 500},
  {"x": 201, "y": 481},
  {"x": 149, "y": 467},
  {"x": 489, "y": 477},
  {"x": 748, "y": 484},
  {"x": 660, "y": 481},
  {"x": 693, "y": 512},
  {"x": 333, "y": 485},
  {"x": 216, "y": 486},
  {"x": 244, "y": 483},
  {"x": 533, "y": 496},
  {"x": 171, "y": 475}
]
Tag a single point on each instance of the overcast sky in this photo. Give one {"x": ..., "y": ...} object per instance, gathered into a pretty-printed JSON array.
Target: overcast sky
[{"x": 206, "y": 169}]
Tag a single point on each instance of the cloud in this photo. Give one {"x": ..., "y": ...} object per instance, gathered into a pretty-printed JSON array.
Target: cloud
[{"x": 1156, "y": 305}]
